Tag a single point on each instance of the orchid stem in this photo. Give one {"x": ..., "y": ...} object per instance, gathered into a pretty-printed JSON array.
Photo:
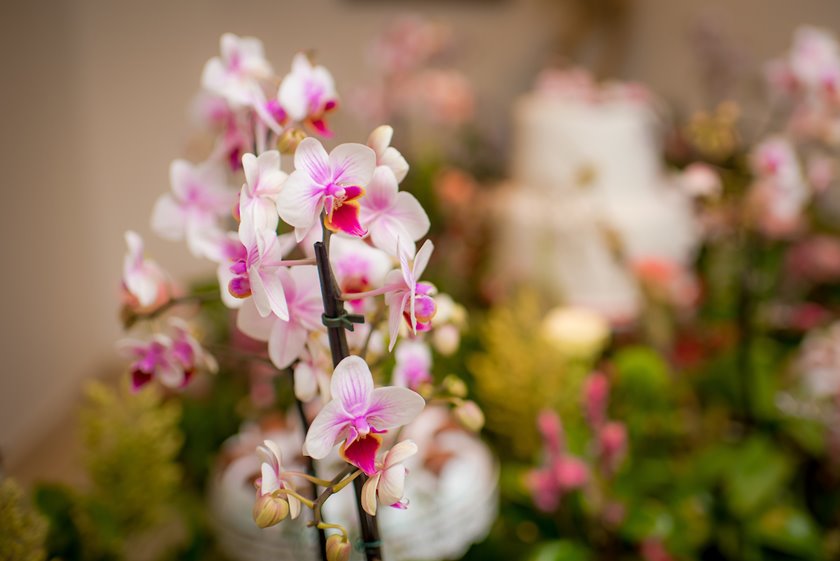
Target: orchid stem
[{"x": 342, "y": 529}]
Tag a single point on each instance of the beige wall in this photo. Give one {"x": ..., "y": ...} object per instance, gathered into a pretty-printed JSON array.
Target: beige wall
[{"x": 93, "y": 109}]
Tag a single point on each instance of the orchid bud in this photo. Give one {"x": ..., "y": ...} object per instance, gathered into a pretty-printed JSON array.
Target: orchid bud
[
  {"x": 289, "y": 140},
  {"x": 470, "y": 416},
  {"x": 270, "y": 510},
  {"x": 338, "y": 548},
  {"x": 446, "y": 339}
]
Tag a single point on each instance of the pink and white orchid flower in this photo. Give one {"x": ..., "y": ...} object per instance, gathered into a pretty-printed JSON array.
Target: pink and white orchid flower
[
  {"x": 200, "y": 197},
  {"x": 311, "y": 374},
  {"x": 271, "y": 475},
  {"x": 258, "y": 274},
  {"x": 409, "y": 298},
  {"x": 394, "y": 218},
  {"x": 188, "y": 352},
  {"x": 330, "y": 183},
  {"x": 387, "y": 485},
  {"x": 287, "y": 338},
  {"x": 414, "y": 364},
  {"x": 257, "y": 200},
  {"x": 386, "y": 155},
  {"x": 234, "y": 74},
  {"x": 308, "y": 93},
  {"x": 358, "y": 267},
  {"x": 357, "y": 414},
  {"x": 143, "y": 281},
  {"x": 152, "y": 359}
]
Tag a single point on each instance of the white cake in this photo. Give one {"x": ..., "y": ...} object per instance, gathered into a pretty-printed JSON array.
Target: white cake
[{"x": 587, "y": 172}]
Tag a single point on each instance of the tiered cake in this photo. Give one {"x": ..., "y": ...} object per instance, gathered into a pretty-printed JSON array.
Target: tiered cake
[{"x": 588, "y": 194}]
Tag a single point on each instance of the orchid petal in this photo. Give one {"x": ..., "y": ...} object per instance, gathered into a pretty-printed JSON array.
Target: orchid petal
[
  {"x": 422, "y": 259},
  {"x": 393, "y": 407},
  {"x": 351, "y": 164},
  {"x": 391, "y": 486},
  {"x": 352, "y": 385},
  {"x": 270, "y": 482},
  {"x": 369, "y": 494},
  {"x": 399, "y": 453},
  {"x": 325, "y": 430},
  {"x": 311, "y": 157},
  {"x": 251, "y": 323},
  {"x": 300, "y": 202},
  {"x": 286, "y": 343}
]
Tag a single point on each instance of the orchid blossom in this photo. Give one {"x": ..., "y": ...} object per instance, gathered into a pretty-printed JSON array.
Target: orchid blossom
[
  {"x": 387, "y": 484},
  {"x": 331, "y": 183},
  {"x": 143, "y": 281},
  {"x": 357, "y": 414},
  {"x": 271, "y": 475},
  {"x": 358, "y": 267},
  {"x": 311, "y": 375},
  {"x": 200, "y": 197},
  {"x": 394, "y": 218},
  {"x": 234, "y": 74},
  {"x": 287, "y": 338},
  {"x": 409, "y": 298},
  {"x": 187, "y": 351},
  {"x": 308, "y": 93},
  {"x": 152, "y": 359},
  {"x": 386, "y": 155},
  {"x": 414, "y": 364},
  {"x": 257, "y": 206}
]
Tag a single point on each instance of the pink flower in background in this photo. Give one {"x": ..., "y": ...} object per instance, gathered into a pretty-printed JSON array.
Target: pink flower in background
[
  {"x": 143, "y": 282},
  {"x": 815, "y": 259},
  {"x": 258, "y": 274},
  {"x": 668, "y": 281},
  {"x": 819, "y": 362},
  {"x": 257, "y": 200},
  {"x": 561, "y": 472},
  {"x": 387, "y": 485},
  {"x": 815, "y": 57},
  {"x": 413, "y": 364},
  {"x": 308, "y": 93},
  {"x": 407, "y": 297},
  {"x": 200, "y": 197},
  {"x": 330, "y": 183},
  {"x": 446, "y": 96},
  {"x": 821, "y": 171},
  {"x": 612, "y": 443},
  {"x": 408, "y": 42},
  {"x": 234, "y": 74},
  {"x": 187, "y": 351},
  {"x": 357, "y": 414},
  {"x": 394, "y": 218},
  {"x": 312, "y": 374},
  {"x": 701, "y": 181},
  {"x": 271, "y": 475},
  {"x": 287, "y": 338},
  {"x": 358, "y": 267},
  {"x": 596, "y": 393},
  {"x": 152, "y": 359},
  {"x": 386, "y": 155}
]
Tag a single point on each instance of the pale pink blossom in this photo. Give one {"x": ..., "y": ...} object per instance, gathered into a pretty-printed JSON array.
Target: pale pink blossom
[
  {"x": 358, "y": 267},
  {"x": 409, "y": 298},
  {"x": 329, "y": 183},
  {"x": 780, "y": 193},
  {"x": 312, "y": 374},
  {"x": 143, "y": 281},
  {"x": 413, "y": 364},
  {"x": 358, "y": 413},
  {"x": 394, "y": 218},
  {"x": 596, "y": 391},
  {"x": 271, "y": 475},
  {"x": 560, "y": 472},
  {"x": 612, "y": 442},
  {"x": 446, "y": 96},
  {"x": 241, "y": 65},
  {"x": 287, "y": 338},
  {"x": 152, "y": 359},
  {"x": 387, "y": 485},
  {"x": 701, "y": 181},
  {"x": 200, "y": 197},
  {"x": 386, "y": 155},
  {"x": 257, "y": 200},
  {"x": 308, "y": 93},
  {"x": 814, "y": 57}
]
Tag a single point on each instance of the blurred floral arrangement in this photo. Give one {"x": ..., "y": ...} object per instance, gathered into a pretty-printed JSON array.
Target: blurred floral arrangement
[{"x": 701, "y": 421}]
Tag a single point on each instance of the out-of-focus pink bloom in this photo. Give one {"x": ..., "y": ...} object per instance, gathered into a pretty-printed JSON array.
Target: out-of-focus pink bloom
[
  {"x": 596, "y": 393},
  {"x": 780, "y": 193},
  {"x": 815, "y": 57},
  {"x": 387, "y": 485},
  {"x": 358, "y": 413},
  {"x": 815, "y": 259},
  {"x": 257, "y": 200},
  {"x": 551, "y": 430},
  {"x": 386, "y": 155},
  {"x": 561, "y": 472},
  {"x": 152, "y": 359},
  {"x": 330, "y": 183},
  {"x": 819, "y": 362},
  {"x": 701, "y": 181},
  {"x": 312, "y": 375},
  {"x": 407, "y": 43},
  {"x": 287, "y": 338},
  {"x": 144, "y": 283},
  {"x": 668, "y": 281},
  {"x": 358, "y": 267},
  {"x": 271, "y": 475},
  {"x": 446, "y": 96},
  {"x": 612, "y": 441},
  {"x": 234, "y": 74},
  {"x": 409, "y": 298},
  {"x": 308, "y": 93},
  {"x": 821, "y": 171},
  {"x": 394, "y": 218},
  {"x": 413, "y": 364},
  {"x": 652, "y": 549},
  {"x": 200, "y": 197},
  {"x": 187, "y": 351},
  {"x": 570, "y": 473}
]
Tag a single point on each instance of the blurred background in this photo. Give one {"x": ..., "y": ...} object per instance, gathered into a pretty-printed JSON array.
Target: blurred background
[{"x": 95, "y": 104}]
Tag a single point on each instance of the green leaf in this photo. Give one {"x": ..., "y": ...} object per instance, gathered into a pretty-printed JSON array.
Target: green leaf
[
  {"x": 562, "y": 550},
  {"x": 757, "y": 473},
  {"x": 790, "y": 530}
]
